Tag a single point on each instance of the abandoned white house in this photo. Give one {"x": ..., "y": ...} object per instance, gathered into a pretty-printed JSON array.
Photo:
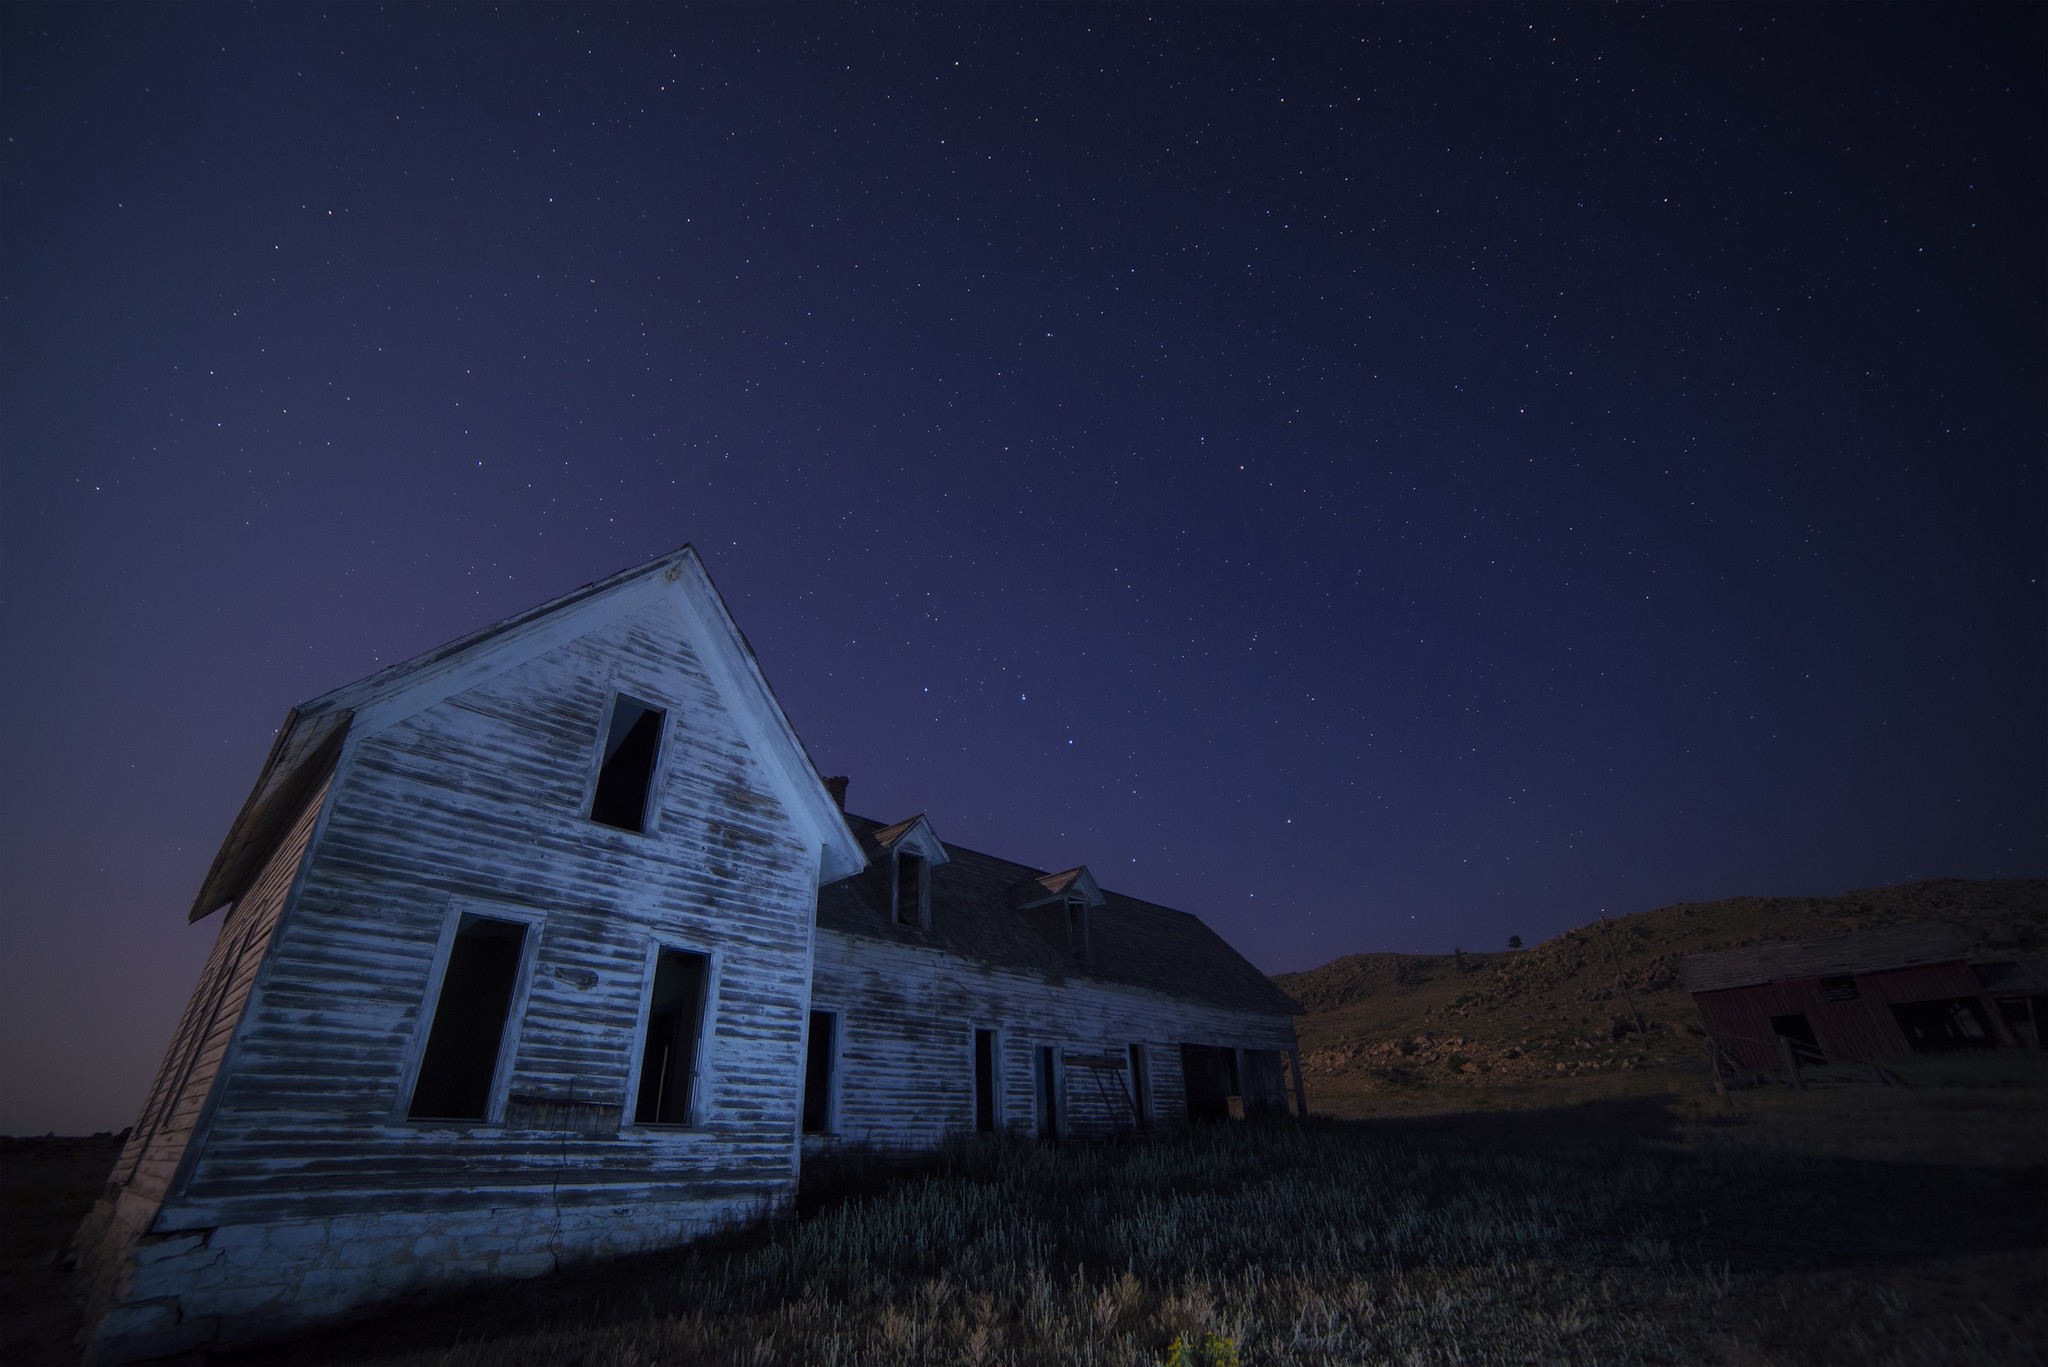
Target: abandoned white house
[{"x": 552, "y": 944}]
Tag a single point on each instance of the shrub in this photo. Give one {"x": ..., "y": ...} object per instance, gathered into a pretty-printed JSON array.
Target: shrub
[{"x": 1210, "y": 1352}]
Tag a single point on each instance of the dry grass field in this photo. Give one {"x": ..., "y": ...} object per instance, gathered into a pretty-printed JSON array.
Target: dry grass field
[
  {"x": 1853, "y": 1224},
  {"x": 1863, "y": 1225}
]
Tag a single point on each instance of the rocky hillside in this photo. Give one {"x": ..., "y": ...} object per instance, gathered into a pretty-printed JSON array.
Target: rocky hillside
[{"x": 1602, "y": 996}]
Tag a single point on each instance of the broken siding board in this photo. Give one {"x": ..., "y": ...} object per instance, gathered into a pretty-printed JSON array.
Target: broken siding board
[{"x": 437, "y": 806}]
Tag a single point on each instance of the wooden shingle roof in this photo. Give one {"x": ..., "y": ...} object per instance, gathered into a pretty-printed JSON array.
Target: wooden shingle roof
[
  {"x": 1912, "y": 945},
  {"x": 1134, "y": 943}
]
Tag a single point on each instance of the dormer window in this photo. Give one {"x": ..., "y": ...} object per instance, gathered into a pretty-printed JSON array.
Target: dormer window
[
  {"x": 625, "y": 774},
  {"x": 1077, "y": 929},
  {"x": 905, "y": 855},
  {"x": 1061, "y": 908},
  {"x": 913, "y": 890}
]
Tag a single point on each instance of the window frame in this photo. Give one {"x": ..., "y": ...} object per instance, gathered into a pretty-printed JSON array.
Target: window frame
[
  {"x": 1051, "y": 1081},
  {"x": 535, "y": 921},
  {"x": 701, "y": 1072},
  {"x": 657, "y": 778},
  {"x": 1076, "y": 909},
  {"x": 995, "y": 1078},
  {"x": 924, "y": 888}
]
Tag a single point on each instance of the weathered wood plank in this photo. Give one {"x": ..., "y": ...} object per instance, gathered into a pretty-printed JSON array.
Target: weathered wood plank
[{"x": 907, "y": 1021}]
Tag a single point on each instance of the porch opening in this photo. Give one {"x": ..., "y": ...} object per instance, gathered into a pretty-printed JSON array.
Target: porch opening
[
  {"x": 1209, "y": 1077},
  {"x": 668, "y": 1056},
  {"x": 461, "y": 1059}
]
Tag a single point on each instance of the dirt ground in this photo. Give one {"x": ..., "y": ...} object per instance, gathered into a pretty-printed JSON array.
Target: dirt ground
[{"x": 46, "y": 1187}]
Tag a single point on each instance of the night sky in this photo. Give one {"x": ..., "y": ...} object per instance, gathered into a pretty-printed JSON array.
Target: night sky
[{"x": 1379, "y": 479}]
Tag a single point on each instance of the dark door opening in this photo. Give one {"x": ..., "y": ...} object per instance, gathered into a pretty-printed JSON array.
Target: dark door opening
[
  {"x": 1798, "y": 1031},
  {"x": 1263, "y": 1079},
  {"x": 1141, "y": 1088},
  {"x": 820, "y": 1057},
  {"x": 461, "y": 1060},
  {"x": 1209, "y": 1077},
  {"x": 1941, "y": 1027},
  {"x": 1048, "y": 1093},
  {"x": 985, "y": 1081}
]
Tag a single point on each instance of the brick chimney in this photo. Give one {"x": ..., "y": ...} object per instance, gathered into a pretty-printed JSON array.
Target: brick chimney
[{"x": 837, "y": 787}]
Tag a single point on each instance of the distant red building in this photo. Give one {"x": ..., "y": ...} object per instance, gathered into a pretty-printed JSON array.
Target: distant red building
[{"x": 1864, "y": 995}]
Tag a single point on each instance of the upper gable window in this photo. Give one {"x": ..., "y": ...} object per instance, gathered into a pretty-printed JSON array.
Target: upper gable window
[
  {"x": 1077, "y": 928},
  {"x": 632, "y": 745},
  {"x": 913, "y": 890}
]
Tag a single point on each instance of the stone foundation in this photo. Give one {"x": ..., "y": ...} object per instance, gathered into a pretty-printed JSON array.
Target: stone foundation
[{"x": 162, "y": 1293}]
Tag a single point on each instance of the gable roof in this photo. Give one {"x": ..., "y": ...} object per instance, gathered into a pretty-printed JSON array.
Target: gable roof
[
  {"x": 1913, "y": 945},
  {"x": 1135, "y": 943},
  {"x": 311, "y": 737},
  {"x": 912, "y": 833},
  {"x": 1055, "y": 887}
]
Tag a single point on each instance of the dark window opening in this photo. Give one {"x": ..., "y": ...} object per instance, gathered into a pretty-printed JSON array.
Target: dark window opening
[
  {"x": 1798, "y": 1031},
  {"x": 468, "y": 1032},
  {"x": 1209, "y": 1077},
  {"x": 1077, "y": 928},
  {"x": 668, "y": 1060},
  {"x": 1839, "y": 989},
  {"x": 985, "y": 1081},
  {"x": 910, "y": 882},
  {"x": 631, "y": 747},
  {"x": 820, "y": 1059},
  {"x": 1939, "y": 1027},
  {"x": 1048, "y": 1093},
  {"x": 1141, "y": 1088}
]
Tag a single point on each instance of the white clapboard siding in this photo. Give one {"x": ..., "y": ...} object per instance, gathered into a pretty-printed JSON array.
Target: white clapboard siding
[
  {"x": 171, "y": 1111},
  {"x": 907, "y": 1017},
  {"x": 480, "y": 799}
]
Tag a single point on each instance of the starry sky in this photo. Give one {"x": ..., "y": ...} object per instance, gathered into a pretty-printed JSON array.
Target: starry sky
[{"x": 1377, "y": 478}]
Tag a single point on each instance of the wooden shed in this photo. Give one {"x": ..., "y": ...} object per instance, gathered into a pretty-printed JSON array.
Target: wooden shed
[
  {"x": 1862, "y": 995},
  {"x": 523, "y": 958}
]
